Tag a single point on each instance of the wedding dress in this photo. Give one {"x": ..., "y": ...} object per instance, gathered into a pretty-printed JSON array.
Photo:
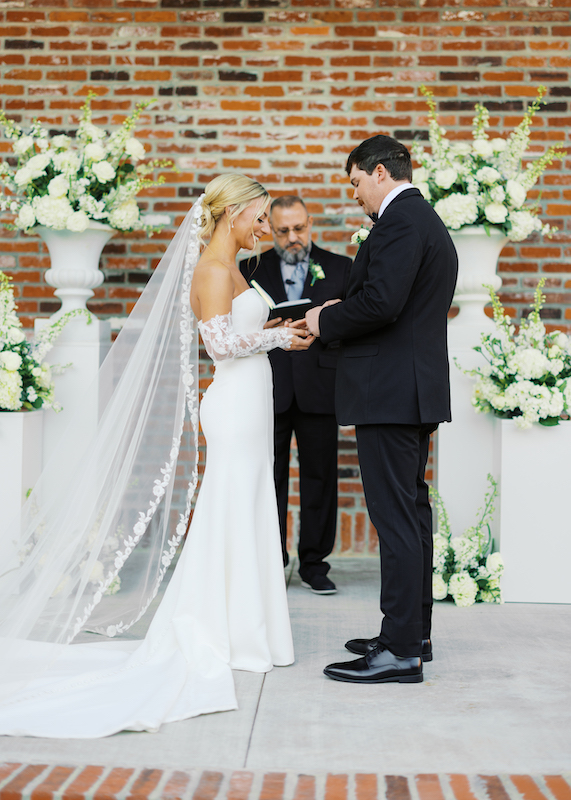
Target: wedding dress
[{"x": 225, "y": 607}]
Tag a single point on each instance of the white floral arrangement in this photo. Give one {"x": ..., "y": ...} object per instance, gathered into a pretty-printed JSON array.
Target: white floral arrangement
[
  {"x": 482, "y": 182},
  {"x": 464, "y": 567},
  {"x": 63, "y": 183},
  {"x": 359, "y": 236},
  {"x": 25, "y": 379},
  {"x": 528, "y": 374}
]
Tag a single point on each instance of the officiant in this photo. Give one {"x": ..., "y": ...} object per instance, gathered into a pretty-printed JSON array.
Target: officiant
[{"x": 304, "y": 385}]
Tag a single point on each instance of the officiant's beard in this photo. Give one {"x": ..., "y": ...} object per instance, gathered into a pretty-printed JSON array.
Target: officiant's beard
[{"x": 291, "y": 256}]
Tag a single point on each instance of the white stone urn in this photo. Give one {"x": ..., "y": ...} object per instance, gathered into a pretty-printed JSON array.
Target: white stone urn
[
  {"x": 75, "y": 258},
  {"x": 478, "y": 253}
]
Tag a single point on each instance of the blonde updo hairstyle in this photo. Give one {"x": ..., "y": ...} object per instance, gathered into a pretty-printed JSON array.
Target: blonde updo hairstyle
[{"x": 234, "y": 190}]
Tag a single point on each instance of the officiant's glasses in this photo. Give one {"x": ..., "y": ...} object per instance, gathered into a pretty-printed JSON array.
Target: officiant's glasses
[{"x": 282, "y": 232}]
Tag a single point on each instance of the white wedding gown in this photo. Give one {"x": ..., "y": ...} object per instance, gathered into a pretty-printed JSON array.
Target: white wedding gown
[{"x": 225, "y": 607}]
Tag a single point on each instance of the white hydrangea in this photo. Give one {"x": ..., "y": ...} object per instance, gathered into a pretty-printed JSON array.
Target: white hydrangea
[
  {"x": 483, "y": 148},
  {"x": 439, "y": 587},
  {"x": 445, "y": 178},
  {"x": 10, "y": 361},
  {"x": 488, "y": 176},
  {"x": 463, "y": 589},
  {"x": 134, "y": 148},
  {"x": 52, "y": 212},
  {"x": 516, "y": 193},
  {"x": 22, "y": 145},
  {"x": 10, "y": 390},
  {"x": 495, "y": 213},
  {"x": 457, "y": 210},
  {"x": 125, "y": 217},
  {"x": 529, "y": 362},
  {"x": 77, "y": 222},
  {"x": 58, "y": 186},
  {"x": 103, "y": 171},
  {"x": 26, "y": 217},
  {"x": 523, "y": 224},
  {"x": 94, "y": 152}
]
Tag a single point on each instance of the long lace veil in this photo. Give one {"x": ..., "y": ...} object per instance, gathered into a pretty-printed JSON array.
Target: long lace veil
[{"x": 105, "y": 519}]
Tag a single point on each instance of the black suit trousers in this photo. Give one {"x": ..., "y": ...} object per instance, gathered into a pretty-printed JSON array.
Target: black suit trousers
[
  {"x": 316, "y": 436},
  {"x": 393, "y": 460}
]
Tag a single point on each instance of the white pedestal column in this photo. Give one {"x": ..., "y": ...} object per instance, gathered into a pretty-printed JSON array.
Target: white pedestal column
[
  {"x": 534, "y": 471},
  {"x": 84, "y": 347},
  {"x": 20, "y": 460}
]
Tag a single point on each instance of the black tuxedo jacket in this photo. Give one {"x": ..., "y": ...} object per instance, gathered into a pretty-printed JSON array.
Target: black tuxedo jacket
[
  {"x": 307, "y": 375},
  {"x": 393, "y": 364}
]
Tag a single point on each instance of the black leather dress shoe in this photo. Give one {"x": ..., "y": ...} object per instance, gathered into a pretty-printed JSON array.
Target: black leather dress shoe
[
  {"x": 363, "y": 646},
  {"x": 320, "y": 584},
  {"x": 378, "y": 666}
]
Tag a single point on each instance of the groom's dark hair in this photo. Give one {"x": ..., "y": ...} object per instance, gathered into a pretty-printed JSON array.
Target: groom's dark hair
[{"x": 382, "y": 150}]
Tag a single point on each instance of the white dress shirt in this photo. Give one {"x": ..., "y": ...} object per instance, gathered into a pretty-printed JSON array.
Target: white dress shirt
[{"x": 392, "y": 194}]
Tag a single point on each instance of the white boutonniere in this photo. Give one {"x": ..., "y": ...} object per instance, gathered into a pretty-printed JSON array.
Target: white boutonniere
[
  {"x": 316, "y": 270},
  {"x": 359, "y": 236}
]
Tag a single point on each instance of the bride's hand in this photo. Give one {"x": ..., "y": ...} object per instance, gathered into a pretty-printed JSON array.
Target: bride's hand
[
  {"x": 301, "y": 341},
  {"x": 274, "y": 323}
]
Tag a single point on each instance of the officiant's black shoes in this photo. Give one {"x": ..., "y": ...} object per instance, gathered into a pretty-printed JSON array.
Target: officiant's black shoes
[
  {"x": 378, "y": 666},
  {"x": 363, "y": 646},
  {"x": 320, "y": 584}
]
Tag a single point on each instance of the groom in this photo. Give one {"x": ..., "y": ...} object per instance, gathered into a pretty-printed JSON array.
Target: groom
[{"x": 393, "y": 385}]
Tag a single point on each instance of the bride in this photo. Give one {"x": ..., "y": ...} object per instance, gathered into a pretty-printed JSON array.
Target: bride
[{"x": 71, "y": 567}]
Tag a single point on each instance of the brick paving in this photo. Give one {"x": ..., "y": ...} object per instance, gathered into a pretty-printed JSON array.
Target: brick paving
[{"x": 45, "y": 782}]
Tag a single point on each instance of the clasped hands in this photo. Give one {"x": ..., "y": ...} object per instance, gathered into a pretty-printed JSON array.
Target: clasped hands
[{"x": 307, "y": 329}]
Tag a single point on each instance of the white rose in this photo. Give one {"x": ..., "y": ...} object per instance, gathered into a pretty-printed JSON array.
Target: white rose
[
  {"x": 61, "y": 142},
  {"x": 439, "y": 587},
  {"x": 10, "y": 361},
  {"x": 488, "y": 175},
  {"x": 516, "y": 193},
  {"x": 445, "y": 178},
  {"x": 495, "y": 564},
  {"x": 424, "y": 189},
  {"x": 26, "y": 217},
  {"x": 94, "y": 152},
  {"x": 104, "y": 172},
  {"x": 58, "y": 186},
  {"x": 77, "y": 222},
  {"x": 495, "y": 213},
  {"x": 463, "y": 589},
  {"x": 482, "y": 147},
  {"x": 22, "y": 145},
  {"x": 499, "y": 145},
  {"x": 37, "y": 164},
  {"x": 15, "y": 335},
  {"x": 460, "y": 148},
  {"x": 134, "y": 148},
  {"x": 420, "y": 175},
  {"x": 23, "y": 176}
]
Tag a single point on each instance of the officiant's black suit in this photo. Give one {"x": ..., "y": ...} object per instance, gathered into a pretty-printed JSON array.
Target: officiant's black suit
[
  {"x": 304, "y": 389},
  {"x": 393, "y": 384}
]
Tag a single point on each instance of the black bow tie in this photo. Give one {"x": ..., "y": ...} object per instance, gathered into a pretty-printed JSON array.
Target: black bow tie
[{"x": 374, "y": 216}]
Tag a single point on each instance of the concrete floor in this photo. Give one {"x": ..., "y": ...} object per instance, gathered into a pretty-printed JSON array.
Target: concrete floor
[{"x": 496, "y": 699}]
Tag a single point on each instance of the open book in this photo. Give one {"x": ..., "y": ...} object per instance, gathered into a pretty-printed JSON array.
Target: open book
[{"x": 289, "y": 309}]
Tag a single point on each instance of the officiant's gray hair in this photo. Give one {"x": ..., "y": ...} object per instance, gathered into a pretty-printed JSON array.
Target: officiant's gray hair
[
  {"x": 287, "y": 201},
  {"x": 383, "y": 150}
]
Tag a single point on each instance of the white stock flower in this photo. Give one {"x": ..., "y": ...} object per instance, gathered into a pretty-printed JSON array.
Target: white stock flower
[
  {"x": 67, "y": 162},
  {"x": 497, "y": 194},
  {"x": 26, "y": 217},
  {"x": 466, "y": 551},
  {"x": 10, "y": 361},
  {"x": 125, "y": 216},
  {"x": 439, "y": 587},
  {"x": 77, "y": 222},
  {"x": 488, "y": 175},
  {"x": 516, "y": 193},
  {"x": 523, "y": 224},
  {"x": 483, "y": 148},
  {"x": 445, "y": 178},
  {"x": 22, "y": 145},
  {"x": 135, "y": 148},
  {"x": 495, "y": 213},
  {"x": 94, "y": 152},
  {"x": 58, "y": 186},
  {"x": 53, "y": 212},
  {"x": 44, "y": 377},
  {"x": 457, "y": 210},
  {"x": 92, "y": 131},
  {"x": 463, "y": 589},
  {"x": 103, "y": 171},
  {"x": 440, "y": 551}
]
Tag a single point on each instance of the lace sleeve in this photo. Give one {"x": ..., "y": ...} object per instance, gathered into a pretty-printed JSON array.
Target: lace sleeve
[{"x": 222, "y": 343}]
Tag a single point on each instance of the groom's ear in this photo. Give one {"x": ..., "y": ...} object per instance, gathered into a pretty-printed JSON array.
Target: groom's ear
[{"x": 380, "y": 172}]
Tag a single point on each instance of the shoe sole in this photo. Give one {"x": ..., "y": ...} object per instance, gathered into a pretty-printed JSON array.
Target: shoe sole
[
  {"x": 318, "y": 591},
  {"x": 426, "y": 657},
  {"x": 392, "y": 679}
]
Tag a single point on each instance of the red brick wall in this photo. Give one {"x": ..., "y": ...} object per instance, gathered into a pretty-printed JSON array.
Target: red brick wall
[{"x": 282, "y": 90}]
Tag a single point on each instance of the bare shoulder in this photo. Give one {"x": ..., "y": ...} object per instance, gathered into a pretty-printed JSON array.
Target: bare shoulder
[{"x": 212, "y": 289}]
